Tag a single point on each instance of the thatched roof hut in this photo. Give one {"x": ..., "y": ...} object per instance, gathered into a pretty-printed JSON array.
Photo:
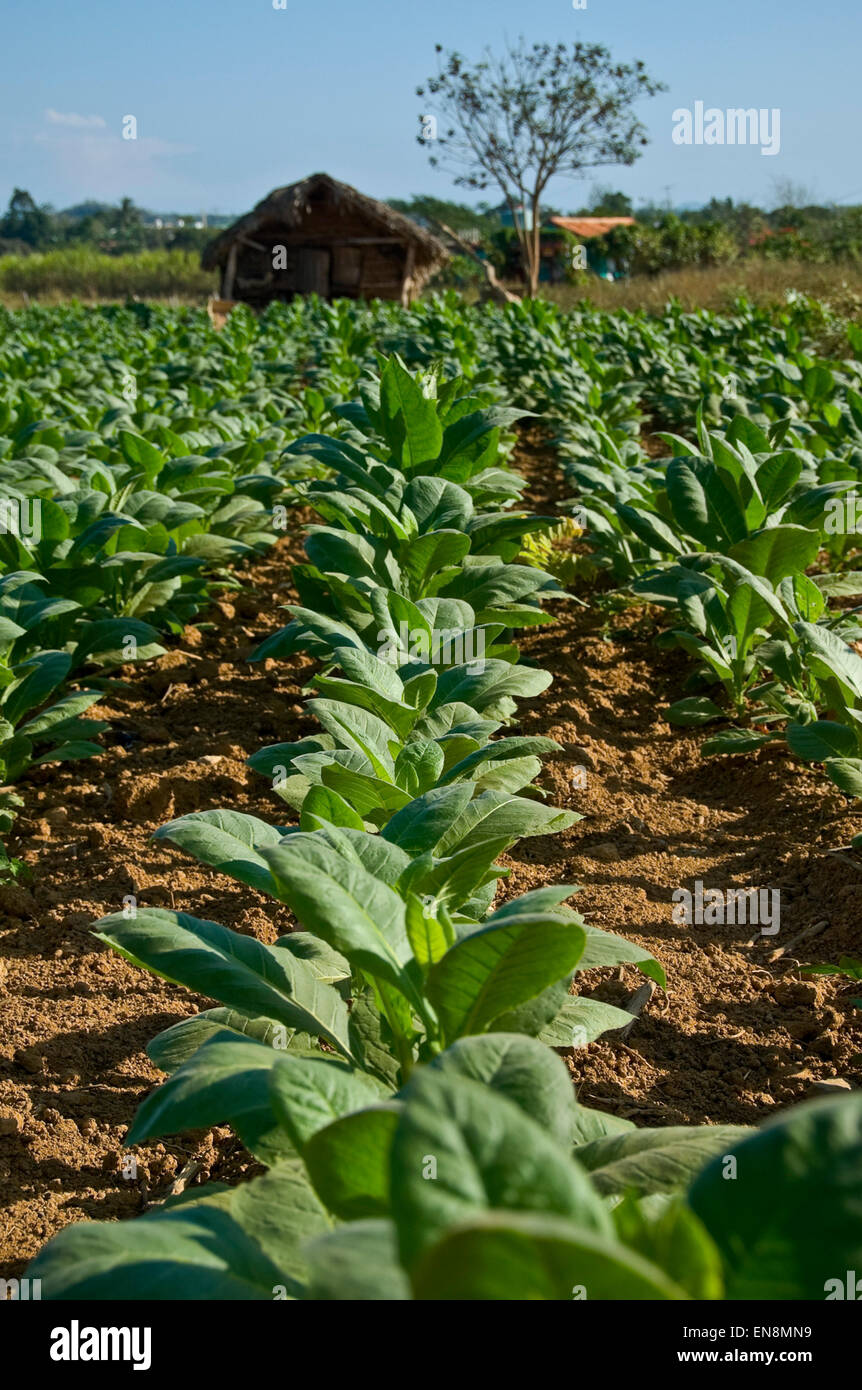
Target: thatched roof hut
[{"x": 321, "y": 236}]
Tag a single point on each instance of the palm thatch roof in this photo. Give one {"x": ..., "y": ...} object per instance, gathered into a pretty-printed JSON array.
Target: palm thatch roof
[{"x": 291, "y": 205}]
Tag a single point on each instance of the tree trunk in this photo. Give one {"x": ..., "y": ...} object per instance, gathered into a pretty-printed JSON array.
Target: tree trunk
[{"x": 535, "y": 234}]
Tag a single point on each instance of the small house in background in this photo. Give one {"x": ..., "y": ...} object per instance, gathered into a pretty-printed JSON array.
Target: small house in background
[
  {"x": 322, "y": 237},
  {"x": 587, "y": 228},
  {"x": 591, "y": 226}
]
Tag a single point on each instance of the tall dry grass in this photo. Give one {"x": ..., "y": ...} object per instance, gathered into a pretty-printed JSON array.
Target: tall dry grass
[
  {"x": 82, "y": 273},
  {"x": 838, "y": 286}
]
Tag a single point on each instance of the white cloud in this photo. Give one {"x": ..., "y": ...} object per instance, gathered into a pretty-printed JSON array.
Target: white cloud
[
  {"x": 71, "y": 118},
  {"x": 109, "y": 167}
]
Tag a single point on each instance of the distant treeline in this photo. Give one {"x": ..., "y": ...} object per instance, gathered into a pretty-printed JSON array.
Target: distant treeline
[
  {"x": 663, "y": 239},
  {"x": 114, "y": 231}
]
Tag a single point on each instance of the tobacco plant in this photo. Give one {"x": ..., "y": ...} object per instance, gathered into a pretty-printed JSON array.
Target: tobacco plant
[{"x": 480, "y": 1178}]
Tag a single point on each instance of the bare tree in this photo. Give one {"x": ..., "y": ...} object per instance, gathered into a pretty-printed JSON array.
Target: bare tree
[{"x": 538, "y": 112}]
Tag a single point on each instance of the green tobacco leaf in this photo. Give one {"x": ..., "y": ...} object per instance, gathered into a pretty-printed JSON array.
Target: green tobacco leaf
[
  {"x": 693, "y": 710},
  {"x": 521, "y": 1256},
  {"x": 521, "y": 1069},
  {"x": 349, "y": 907},
  {"x": 821, "y": 739},
  {"x": 372, "y": 1040},
  {"x": 846, "y": 773},
  {"x": 324, "y": 806},
  {"x": 591, "y": 1124},
  {"x": 429, "y": 938},
  {"x": 777, "y": 551},
  {"x": 63, "y": 709},
  {"x": 651, "y": 529},
  {"x": 356, "y": 1263},
  {"x": 228, "y": 841},
  {"x": 675, "y": 1241},
  {"x": 581, "y": 1021},
  {"x": 500, "y": 967},
  {"x": 604, "y": 948},
  {"x": 702, "y": 504},
  {"x": 369, "y": 796},
  {"x": 357, "y": 729},
  {"x": 499, "y": 815},
  {"x": 461, "y": 1149},
  {"x": 408, "y": 419},
  {"x": 308, "y": 1093},
  {"x": 789, "y": 1225},
  {"x": 829, "y": 655},
  {"x": 348, "y": 1161},
  {"x": 36, "y": 678},
  {"x": 418, "y": 766},
  {"x": 226, "y": 1079},
  {"x": 109, "y": 642},
  {"x": 732, "y": 741},
  {"x": 656, "y": 1160},
  {"x": 142, "y": 454},
  {"x": 423, "y": 822},
  {"x": 426, "y": 556},
  {"x": 238, "y": 1245},
  {"x": 454, "y": 879},
  {"x": 177, "y": 1043},
  {"x": 70, "y": 752},
  {"x": 238, "y": 970}
]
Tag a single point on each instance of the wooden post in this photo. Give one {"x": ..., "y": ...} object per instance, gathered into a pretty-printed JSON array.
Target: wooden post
[
  {"x": 407, "y": 282},
  {"x": 229, "y": 273}
]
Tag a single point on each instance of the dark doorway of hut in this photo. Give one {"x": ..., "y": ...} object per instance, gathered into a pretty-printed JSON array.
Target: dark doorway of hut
[{"x": 313, "y": 271}]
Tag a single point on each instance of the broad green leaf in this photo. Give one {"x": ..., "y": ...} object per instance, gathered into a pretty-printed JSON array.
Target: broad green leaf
[
  {"x": 324, "y": 806},
  {"x": 581, "y": 1021},
  {"x": 821, "y": 739},
  {"x": 656, "y": 1160},
  {"x": 461, "y": 1149},
  {"x": 227, "y": 1078},
  {"x": 177, "y": 1043},
  {"x": 521, "y": 1069},
  {"x": 408, "y": 419},
  {"x": 514, "y": 1256},
  {"x": 229, "y": 841},
  {"x": 356, "y": 1263},
  {"x": 238, "y": 970},
  {"x": 605, "y": 948},
  {"x": 307, "y": 1093},
  {"x": 789, "y": 1224},
  {"x": 499, "y": 967},
  {"x": 348, "y": 1161},
  {"x": 239, "y": 1245},
  {"x": 351, "y": 909}
]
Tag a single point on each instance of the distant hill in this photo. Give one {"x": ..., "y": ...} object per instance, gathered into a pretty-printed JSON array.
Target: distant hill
[
  {"x": 82, "y": 210},
  {"x": 79, "y": 211}
]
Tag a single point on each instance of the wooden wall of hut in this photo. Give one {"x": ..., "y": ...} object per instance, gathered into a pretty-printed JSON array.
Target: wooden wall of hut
[{"x": 330, "y": 254}]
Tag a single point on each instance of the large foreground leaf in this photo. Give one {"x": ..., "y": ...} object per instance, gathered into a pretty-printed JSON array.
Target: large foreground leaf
[
  {"x": 511, "y": 1255},
  {"x": 239, "y": 1245},
  {"x": 787, "y": 1216}
]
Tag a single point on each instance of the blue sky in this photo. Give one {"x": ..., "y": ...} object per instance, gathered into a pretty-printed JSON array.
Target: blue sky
[{"x": 234, "y": 97}]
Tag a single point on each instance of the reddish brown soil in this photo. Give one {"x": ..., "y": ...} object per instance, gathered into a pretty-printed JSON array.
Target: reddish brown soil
[{"x": 735, "y": 1036}]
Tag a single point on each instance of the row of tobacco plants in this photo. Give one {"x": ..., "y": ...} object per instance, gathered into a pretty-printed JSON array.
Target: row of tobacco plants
[{"x": 393, "y": 1063}]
